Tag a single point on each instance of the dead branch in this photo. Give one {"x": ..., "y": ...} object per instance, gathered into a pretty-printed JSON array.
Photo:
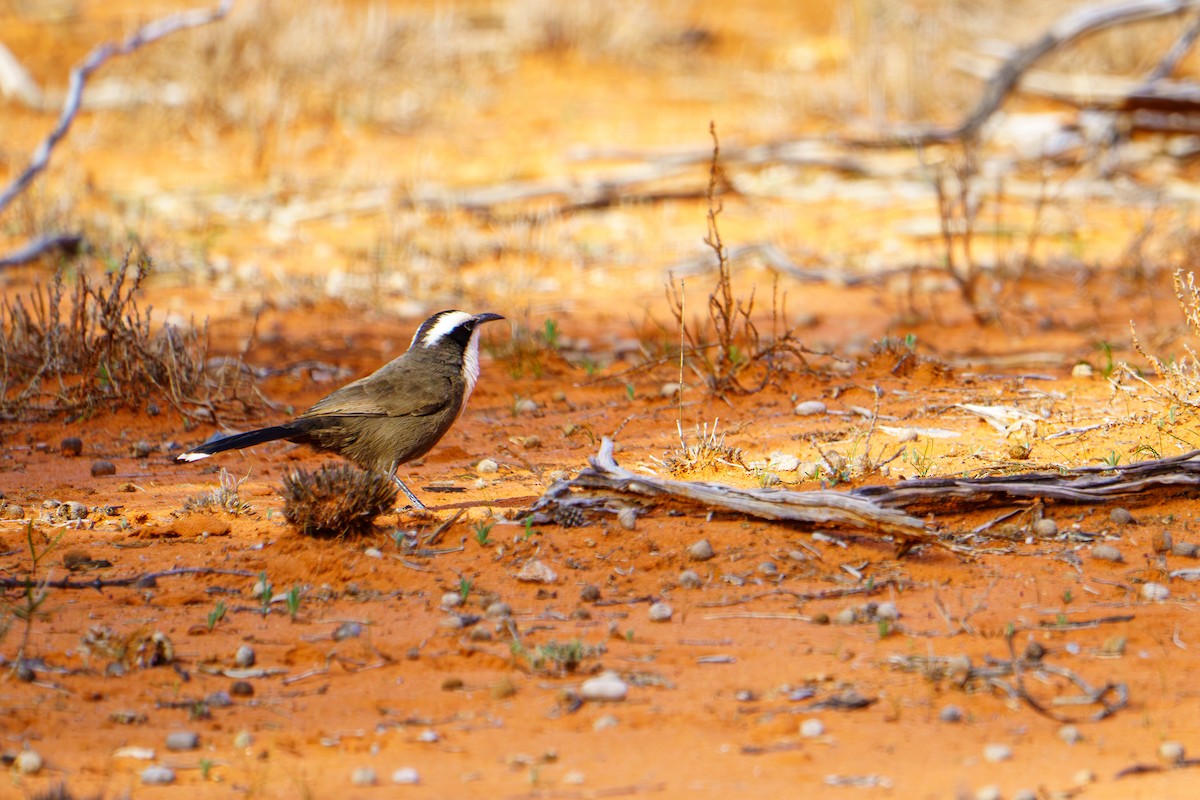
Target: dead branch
[
  {"x": 148, "y": 33},
  {"x": 1093, "y": 484},
  {"x": 144, "y": 580},
  {"x": 605, "y": 486}
]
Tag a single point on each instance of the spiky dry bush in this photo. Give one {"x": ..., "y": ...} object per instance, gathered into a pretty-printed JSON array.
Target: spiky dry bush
[
  {"x": 1180, "y": 377},
  {"x": 80, "y": 346},
  {"x": 336, "y": 500}
]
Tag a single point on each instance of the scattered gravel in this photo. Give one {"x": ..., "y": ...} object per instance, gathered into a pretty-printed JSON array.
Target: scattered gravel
[
  {"x": 1084, "y": 777},
  {"x": 364, "y": 776},
  {"x": 451, "y": 600},
  {"x": 1045, "y": 527},
  {"x": 989, "y": 792},
  {"x": 809, "y": 408},
  {"x": 102, "y": 468},
  {"x": 812, "y": 728},
  {"x": 535, "y": 571},
  {"x": 950, "y": 713},
  {"x": 660, "y": 612},
  {"x": 1106, "y": 552},
  {"x": 142, "y": 448},
  {"x": 28, "y": 762},
  {"x": 887, "y": 610},
  {"x": 487, "y": 466},
  {"x": 689, "y": 580},
  {"x": 605, "y": 687},
  {"x": 429, "y": 736},
  {"x": 1155, "y": 592},
  {"x": 1120, "y": 516},
  {"x": 406, "y": 776},
  {"x": 241, "y": 689},
  {"x": 182, "y": 740},
  {"x": 158, "y": 775},
  {"x": 701, "y": 551},
  {"x": 71, "y": 446},
  {"x": 605, "y": 722},
  {"x": 498, "y": 610},
  {"x": 628, "y": 518},
  {"x": 1162, "y": 542},
  {"x": 589, "y": 593},
  {"x": 72, "y": 510},
  {"x": 524, "y": 406},
  {"x": 244, "y": 657},
  {"x": 1185, "y": 549},
  {"x": 783, "y": 462},
  {"x": 243, "y": 740},
  {"x": 1171, "y": 752},
  {"x": 1070, "y": 734},
  {"x": 347, "y": 630},
  {"x": 768, "y": 568},
  {"x": 995, "y": 753}
]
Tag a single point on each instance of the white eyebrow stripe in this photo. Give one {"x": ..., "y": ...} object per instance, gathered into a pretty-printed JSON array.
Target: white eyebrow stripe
[{"x": 444, "y": 327}]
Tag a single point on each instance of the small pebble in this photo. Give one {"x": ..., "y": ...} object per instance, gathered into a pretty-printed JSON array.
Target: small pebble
[
  {"x": 1025, "y": 794},
  {"x": 406, "y": 776},
  {"x": 628, "y": 518},
  {"x": 989, "y": 792},
  {"x": 605, "y": 687},
  {"x": 660, "y": 612},
  {"x": 812, "y": 728},
  {"x": 220, "y": 698},
  {"x": 1106, "y": 552},
  {"x": 525, "y": 406},
  {"x": 243, "y": 740},
  {"x": 28, "y": 762},
  {"x": 451, "y": 600},
  {"x": 142, "y": 448},
  {"x": 605, "y": 722},
  {"x": 1171, "y": 752},
  {"x": 14, "y": 511},
  {"x": 669, "y": 390},
  {"x": 950, "y": 713},
  {"x": 1082, "y": 370},
  {"x": 1045, "y": 527},
  {"x": 847, "y": 616},
  {"x": 347, "y": 630},
  {"x": 1155, "y": 592},
  {"x": 689, "y": 580},
  {"x": 498, "y": 610},
  {"x": 158, "y": 775},
  {"x": 1084, "y": 777},
  {"x": 1185, "y": 549},
  {"x": 71, "y": 446},
  {"x": 1162, "y": 542},
  {"x": 887, "y": 610},
  {"x": 1120, "y": 516},
  {"x": 487, "y": 466},
  {"x": 809, "y": 408},
  {"x": 244, "y": 657},
  {"x": 768, "y": 568},
  {"x": 182, "y": 740},
  {"x": 72, "y": 510},
  {"x": 1070, "y": 734},
  {"x": 573, "y": 778},
  {"x": 241, "y": 689},
  {"x": 535, "y": 571},
  {"x": 100, "y": 469},
  {"x": 589, "y": 593},
  {"x": 701, "y": 551},
  {"x": 364, "y": 776},
  {"x": 373, "y": 552},
  {"x": 995, "y": 753},
  {"x": 745, "y": 696},
  {"x": 429, "y": 736}
]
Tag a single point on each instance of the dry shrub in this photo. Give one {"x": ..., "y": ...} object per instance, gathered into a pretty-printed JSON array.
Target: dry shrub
[
  {"x": 78, "y": 347},
  {"x": 336, "y": 500},
  {"x": 1180, "y": 378},
  {"x": 728, "y": 351}
]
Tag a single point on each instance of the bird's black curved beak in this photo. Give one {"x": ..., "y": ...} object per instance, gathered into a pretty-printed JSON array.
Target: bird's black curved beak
[{"x": 479, "y": 319}]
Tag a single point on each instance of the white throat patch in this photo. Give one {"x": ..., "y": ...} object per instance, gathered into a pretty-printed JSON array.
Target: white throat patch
[
  {"x": 443, "y": 327},
  {"x": 470, "y": 368}
]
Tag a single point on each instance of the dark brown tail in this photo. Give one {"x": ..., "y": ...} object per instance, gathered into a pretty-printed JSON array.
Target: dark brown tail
[{"x": 237, "y": 442}]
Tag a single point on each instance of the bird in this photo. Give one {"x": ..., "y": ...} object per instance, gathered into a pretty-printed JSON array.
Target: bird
[{"x": 395, "y": 414}]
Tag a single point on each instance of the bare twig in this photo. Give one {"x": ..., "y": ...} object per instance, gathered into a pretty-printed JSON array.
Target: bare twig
[{"x": 151, "y": 32}]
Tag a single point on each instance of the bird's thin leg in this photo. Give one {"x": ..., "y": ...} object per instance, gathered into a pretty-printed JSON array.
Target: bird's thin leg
[{"x": 417, "y": 504}]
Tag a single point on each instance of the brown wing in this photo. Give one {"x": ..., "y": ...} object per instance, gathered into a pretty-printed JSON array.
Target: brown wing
[{"x": 392, "y": 391}]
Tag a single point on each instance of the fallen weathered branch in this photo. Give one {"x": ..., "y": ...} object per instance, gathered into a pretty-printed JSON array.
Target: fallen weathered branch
[
  {"x": 143, "y": 581},
  {"x": 604, "y": 486},
  {"x": 1094, "y": 484}
]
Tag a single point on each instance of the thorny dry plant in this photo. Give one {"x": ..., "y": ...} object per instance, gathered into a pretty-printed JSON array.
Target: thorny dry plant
[
  {"x": 728, "y": 346},
  {"x": 81, "y": 349},
  {"x": 1179, "y": 378},
  {"x": 226, "y": 497},
  {"x": 709, "y": 451}
]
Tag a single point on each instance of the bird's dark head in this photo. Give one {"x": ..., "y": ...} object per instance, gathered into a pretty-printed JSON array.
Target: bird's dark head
[{"x": 445, "y": 327}]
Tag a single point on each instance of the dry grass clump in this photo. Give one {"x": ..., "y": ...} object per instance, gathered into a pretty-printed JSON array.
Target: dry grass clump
[
  {"x": 336, "y": 500},
  {"x": 1179, "y": 378},
  {"x": 79, "y": 346}
]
